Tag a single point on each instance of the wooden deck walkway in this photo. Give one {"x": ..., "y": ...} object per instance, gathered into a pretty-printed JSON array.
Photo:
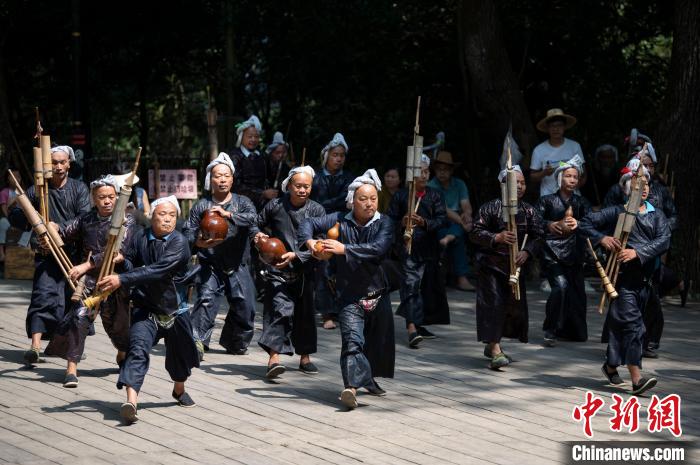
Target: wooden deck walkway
[{"x": 443, "y": 407}]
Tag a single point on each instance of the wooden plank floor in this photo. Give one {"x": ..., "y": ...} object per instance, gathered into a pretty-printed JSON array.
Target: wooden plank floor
[{"x": 443, "y": 406}]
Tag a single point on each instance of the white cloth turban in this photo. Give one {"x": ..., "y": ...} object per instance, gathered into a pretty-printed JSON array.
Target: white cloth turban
[
  {"x": 502, "y": 174},
  {"x": 277, "y": 140},
  {"x": 299, "y": 169},
  {"x": 337, "y": 140},
  {"x": 253, "y": 121},
  {"x": 369, "y": 177},
  {"x": 171, "y": 198},
  {"x": 629, "y": 171},
  {"x": 648, "y": 151},
  {"x": 65, "y": 149},
  {"x": 222, "y": 159},
  {"x": 106, "y": 180},
  {"x": 575, "y": 162},
  {"x": 425, "y": 160}
]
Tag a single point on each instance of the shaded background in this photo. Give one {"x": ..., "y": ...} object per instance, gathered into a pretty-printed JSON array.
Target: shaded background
[{"x": 115, "y": 75}]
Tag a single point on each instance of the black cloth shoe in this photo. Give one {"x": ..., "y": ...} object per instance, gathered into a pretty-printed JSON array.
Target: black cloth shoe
[
  {"x": 487, "y": 354},
  {"x": 643, "y": 385},
  {"x": 650, "y": 353},
  {"x": 128, "y": 413},
  {"x": 274, "y": 370},
  {"x": 414, "y": 339},
  {"x": 242, "y": 351},
  {"x": 31, "y": 356},
  {"x": 184, "y": 399},
  {"x": 550, "y": 340},
  {"x": 614, "y": 377},
  {"x": 376, "y": 390},
  {"x": 308, "y": 368},
  {"x": 71, "y": 381},
  {"x": 425, "y": 334}
]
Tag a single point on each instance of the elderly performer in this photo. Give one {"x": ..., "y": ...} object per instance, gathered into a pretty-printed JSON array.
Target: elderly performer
[
  {"x": 649, "y": 239},
  {"x": 156, "y": 257},
  {"x": 224, "y": 262},
  {"x": 366, "y": 322},
  {"x": 498, "y": 313},
  {"x": 277, "y": 164},
  {"x": 68, "y": 199},
  {"x": 250, "y": 164},
  {"x": 564, "y": 256},
  {"x": 421, "y": 289},
  {"x": 289, "y": 323},
  {"x": 330, "y": 190},
  {"x": 89, "y": 233}
]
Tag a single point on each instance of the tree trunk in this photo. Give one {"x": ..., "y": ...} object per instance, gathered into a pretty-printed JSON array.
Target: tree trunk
[
  {"x": 7, "y": 134},
  {"x": 229, "y": 78},
  {"x": 492, "y": 85},
  {"x": 678, "y": 134}
]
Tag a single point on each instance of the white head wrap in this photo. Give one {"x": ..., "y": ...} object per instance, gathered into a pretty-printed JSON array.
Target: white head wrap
[
  {"x": 629, "y": 171},
  {"x": 277, "y": 140},
  {"x": 502, "y": 174},
  {"x": 222, "y": 159},
  {"x": 369, "y": 177},
  {"x": 299, "y": 169},
  {"x": 337, "y": 140},
  {"x": 575, "y": 162},
  {"x": 171, "y": 198},
  {"x": 253, "y": 121},
  {"x": 106, "y": 180},
  {"x": 425, "y": 160},
  {"x": 65, "y": 149},
  {"x": 648, "y": 151}
]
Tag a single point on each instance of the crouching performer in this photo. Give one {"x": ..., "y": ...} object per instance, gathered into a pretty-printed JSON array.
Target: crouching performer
[
  {"x": 156, "y": 257},
  {"x": 89, "y": 233},
  {"x": 366, "y": 322}
]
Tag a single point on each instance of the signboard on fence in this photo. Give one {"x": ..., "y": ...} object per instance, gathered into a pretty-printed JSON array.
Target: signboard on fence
[{"x": 180, "y": 183}]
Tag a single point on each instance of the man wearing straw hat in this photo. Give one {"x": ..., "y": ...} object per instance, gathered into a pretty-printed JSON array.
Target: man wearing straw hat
[
  {"x": 68, "y": 199},
  {"x": 548, "y": 154}
]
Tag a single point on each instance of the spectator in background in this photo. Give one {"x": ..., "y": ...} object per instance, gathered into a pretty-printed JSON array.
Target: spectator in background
[
  {"x": 392, "y": 184},
  {"x": 459, "y": 212},
  {"x": 548, "y": 154},
  {"x": 7, "y": 198},
  {"x": 603, "y": 172}
]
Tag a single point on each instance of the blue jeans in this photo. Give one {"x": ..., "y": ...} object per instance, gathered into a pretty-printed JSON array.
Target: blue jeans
[{"x": 457, "y": 249}]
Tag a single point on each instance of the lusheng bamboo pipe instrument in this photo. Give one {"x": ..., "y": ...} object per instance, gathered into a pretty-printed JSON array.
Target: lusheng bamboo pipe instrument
[
  {"x": 509, "y": 200},
  {"x": 515, "y": 279},
  {"x": 114, "y": 241},
  {"x": 45, "y": 232},
  {"x": 605, "y": 280},
  {"x": 625, "y": 223},
  {"x": 413, "y": 171}
]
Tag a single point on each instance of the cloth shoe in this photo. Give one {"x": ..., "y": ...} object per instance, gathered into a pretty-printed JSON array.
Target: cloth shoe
[
  {"x": 274, "y": 370},
  {"x": 308, "y": 368},
  {"x": 128, "y": 413},
  {"x": 31, "y": 356},
  {"x": 643, "y": 385},
  {"x": 614, "y": 377},
  {"x": 348, "y": 398},
  {"x": 498, "y": 361},
  {"x": 414, "y": 339},
  {"x": 70, "y": 381},
  {"x": 184, "y": 399},
  {"x": 425, "y": 334}
]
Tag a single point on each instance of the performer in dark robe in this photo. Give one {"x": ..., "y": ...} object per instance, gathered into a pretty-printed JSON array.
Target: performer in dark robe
[
  {"x": 498, "y": 313},
  {"x": 423, "y": 297},
  {"x": 366, "y": 323},
  {"x": 251, "y": 165},
  {"x": 665, "y": 279},
  {"x": 89, "y": 233},
  {"x": 225, "y": 263},
  {"x": 563, "y": 256},
  {"x": 68, "y": 199},
  {"x": 330, "y": 189},
  {"x": 289, "y": 323},
  {"x": 277, "y": 164},
  {"x": 156, "y": 257},
  {"x": 648, "y": 240}
]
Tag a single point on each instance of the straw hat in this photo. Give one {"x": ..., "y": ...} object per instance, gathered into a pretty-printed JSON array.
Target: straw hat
[
  {"x": 445, "y": 158},
  {"x": 555, "y": 113}
]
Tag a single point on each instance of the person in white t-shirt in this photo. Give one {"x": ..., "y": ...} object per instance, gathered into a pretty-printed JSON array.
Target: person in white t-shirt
[{"x": 548, "y": 154}]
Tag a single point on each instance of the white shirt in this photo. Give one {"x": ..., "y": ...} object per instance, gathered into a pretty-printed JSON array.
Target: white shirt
[{"x": 545, "y": 153}]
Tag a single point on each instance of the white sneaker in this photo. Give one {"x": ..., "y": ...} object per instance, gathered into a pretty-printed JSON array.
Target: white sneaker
[{"x": 545, "y": 287}]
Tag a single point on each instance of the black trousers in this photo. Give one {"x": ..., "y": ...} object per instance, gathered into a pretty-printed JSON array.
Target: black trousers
[
  {"x": 624, "y": 326},
  {"x": 325, "y": 299},
  {"x": 49, "y": 296},
  {"x": 566, "y": 305},
  {"x": 367, "y": 349},
  {"x": 289, "y": 322},
  {"x": 180, "y": 349},
  {"x": 411, "y": 306},
  {"x": 240, "y": 293}
]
